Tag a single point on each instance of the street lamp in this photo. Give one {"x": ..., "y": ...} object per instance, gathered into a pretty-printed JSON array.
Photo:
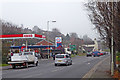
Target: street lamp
[
  {"x": 47, "y": 33},
  {"x": 112, "y": 55}
]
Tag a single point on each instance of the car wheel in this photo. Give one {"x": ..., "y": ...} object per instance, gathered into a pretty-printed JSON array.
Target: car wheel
[
  {"x": 37, "y": 64},
  {"x": 26, "y": 65},
  {"x": 56, "y": 65},
  {"x": 13, "y": 66},
  {"x": 67, "y": 63}
]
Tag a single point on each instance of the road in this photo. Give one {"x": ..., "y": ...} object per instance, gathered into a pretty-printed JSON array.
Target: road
[{"x": 46, "y": 69}]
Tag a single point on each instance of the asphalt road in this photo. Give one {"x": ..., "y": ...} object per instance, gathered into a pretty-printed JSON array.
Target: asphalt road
[{"x": 46, "y": 69}]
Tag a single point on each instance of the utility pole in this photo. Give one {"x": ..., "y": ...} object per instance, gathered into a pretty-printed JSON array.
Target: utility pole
[{"x": 112, "y": 55}]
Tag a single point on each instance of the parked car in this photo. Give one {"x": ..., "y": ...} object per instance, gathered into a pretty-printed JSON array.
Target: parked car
[
  {"x": 96, "y": 53},
  {"x": 63, "y": 59},
  {"x": 88, "y": 54},
  {"x": 101, "y": 53}
]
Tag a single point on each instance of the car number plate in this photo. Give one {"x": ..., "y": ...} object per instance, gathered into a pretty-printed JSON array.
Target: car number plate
[{"x": 59, "y": 61}]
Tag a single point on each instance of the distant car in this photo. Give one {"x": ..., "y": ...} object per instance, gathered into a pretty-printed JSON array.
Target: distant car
[
  {"x": 63, "y": 59},
  {"x": 101, "y": 53},
  {"x": 96, "y": 53},
  {"x": 105, "y": 53},
  {"x": 88, "y": 54}
]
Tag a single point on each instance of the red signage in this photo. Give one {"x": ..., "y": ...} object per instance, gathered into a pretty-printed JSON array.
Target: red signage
[
  {"x": 19, "y": 36},
  {"x": 28, "y": 35}
]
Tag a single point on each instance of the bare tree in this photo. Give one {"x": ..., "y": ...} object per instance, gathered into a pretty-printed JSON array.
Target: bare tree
[{"x": 105, "y": 18}]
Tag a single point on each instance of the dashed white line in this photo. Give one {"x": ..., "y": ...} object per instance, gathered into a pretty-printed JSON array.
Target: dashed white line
[{"x": 58, "y": 69}]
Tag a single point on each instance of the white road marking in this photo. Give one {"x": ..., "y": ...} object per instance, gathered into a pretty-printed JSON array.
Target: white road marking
[
  {"x": 58, "y": 69},
  {"x": 88, "y": 63},
  {"x": 32, "y": 75}
]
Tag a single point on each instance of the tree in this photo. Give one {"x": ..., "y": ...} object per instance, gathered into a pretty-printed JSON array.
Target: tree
[
  {"x": 106, "y": 20},
  {"x": 87, "y": 40},
  {"x": 67, "y": 37},
  {"x": 37, "y": 30},
  {"x": 74, "y": 35},
  {"x": 55, "y": 30}
]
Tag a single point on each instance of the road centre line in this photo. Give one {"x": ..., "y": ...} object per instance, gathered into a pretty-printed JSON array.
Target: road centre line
[{"x": 58, "y": 69}]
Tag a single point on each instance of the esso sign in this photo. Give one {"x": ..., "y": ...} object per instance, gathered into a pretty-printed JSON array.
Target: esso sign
[
  {"x": 58, "y": 39},
  {"x": 28, "y": 35}
]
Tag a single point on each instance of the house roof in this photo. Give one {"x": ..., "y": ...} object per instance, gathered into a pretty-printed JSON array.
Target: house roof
[
  {"x": 44, "y": 42},
  {"x": 88, "y": 48}
]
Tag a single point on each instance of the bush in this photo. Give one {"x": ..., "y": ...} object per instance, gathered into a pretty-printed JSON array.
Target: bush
[
  {"x": 118, "y": 54},
  {"x": 4, "y": 60}
]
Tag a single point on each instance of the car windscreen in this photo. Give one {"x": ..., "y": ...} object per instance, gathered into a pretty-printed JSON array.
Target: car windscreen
[
  {"x": 88, "y": 53},
  {"x": 16, "y": 54},
  {"x": 28, "y": 53},
  {"x": 59, "y": 56}
]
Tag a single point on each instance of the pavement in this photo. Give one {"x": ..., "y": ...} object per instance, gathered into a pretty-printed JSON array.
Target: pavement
[
  {"x": 102, "y": 70},
  {"x": 82, "y": 66}
]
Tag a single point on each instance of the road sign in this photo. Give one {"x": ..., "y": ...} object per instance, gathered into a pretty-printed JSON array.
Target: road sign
[
  {"x": 72, "y": 47},
  {"x": 58, "y": 39},
  {"x": 28, "y": 35},
  {"x": 22, "y": 36}
]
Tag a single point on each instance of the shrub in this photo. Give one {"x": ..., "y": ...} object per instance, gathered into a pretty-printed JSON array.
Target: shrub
[{"x": 4, "y": 60}]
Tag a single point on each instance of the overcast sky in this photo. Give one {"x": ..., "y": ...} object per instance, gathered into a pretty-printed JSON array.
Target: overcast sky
[{"x": 70, "y": 15}]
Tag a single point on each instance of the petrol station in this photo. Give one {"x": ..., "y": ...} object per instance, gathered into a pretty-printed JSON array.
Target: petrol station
[
  {"x": 25, "y": 47},
  {"x": 21, "y": 48}
]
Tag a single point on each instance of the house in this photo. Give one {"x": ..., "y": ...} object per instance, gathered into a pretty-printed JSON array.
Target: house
[
  {"x": 90, "y": 46},
  {"x": 51, "y": 50}
]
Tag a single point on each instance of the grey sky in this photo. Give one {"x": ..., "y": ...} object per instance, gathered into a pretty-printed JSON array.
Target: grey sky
[{"x": 70, "y": 16}]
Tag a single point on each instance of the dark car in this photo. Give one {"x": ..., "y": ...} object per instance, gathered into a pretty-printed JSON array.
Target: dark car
[
  {"x": 96, "y": 53},
  {"x": 88, "y": 54}
]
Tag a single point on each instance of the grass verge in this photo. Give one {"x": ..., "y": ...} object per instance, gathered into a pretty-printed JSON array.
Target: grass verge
[
  {"x": 1, "y": 65},
  {"x": 80, "y": 54},
  {"x": 73, "y": 55}
]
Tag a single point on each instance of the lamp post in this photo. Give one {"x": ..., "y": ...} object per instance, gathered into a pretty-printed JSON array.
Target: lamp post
[{"x": 47, "y": 34}]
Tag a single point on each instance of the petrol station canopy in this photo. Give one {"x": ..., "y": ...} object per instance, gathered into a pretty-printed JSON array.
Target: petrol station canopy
[
  {"x": 34, "y": 46},
  {"x": 22, "y": 36}
]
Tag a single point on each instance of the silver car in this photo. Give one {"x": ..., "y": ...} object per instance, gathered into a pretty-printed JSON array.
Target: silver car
[{"x": 63, "y": 59}]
